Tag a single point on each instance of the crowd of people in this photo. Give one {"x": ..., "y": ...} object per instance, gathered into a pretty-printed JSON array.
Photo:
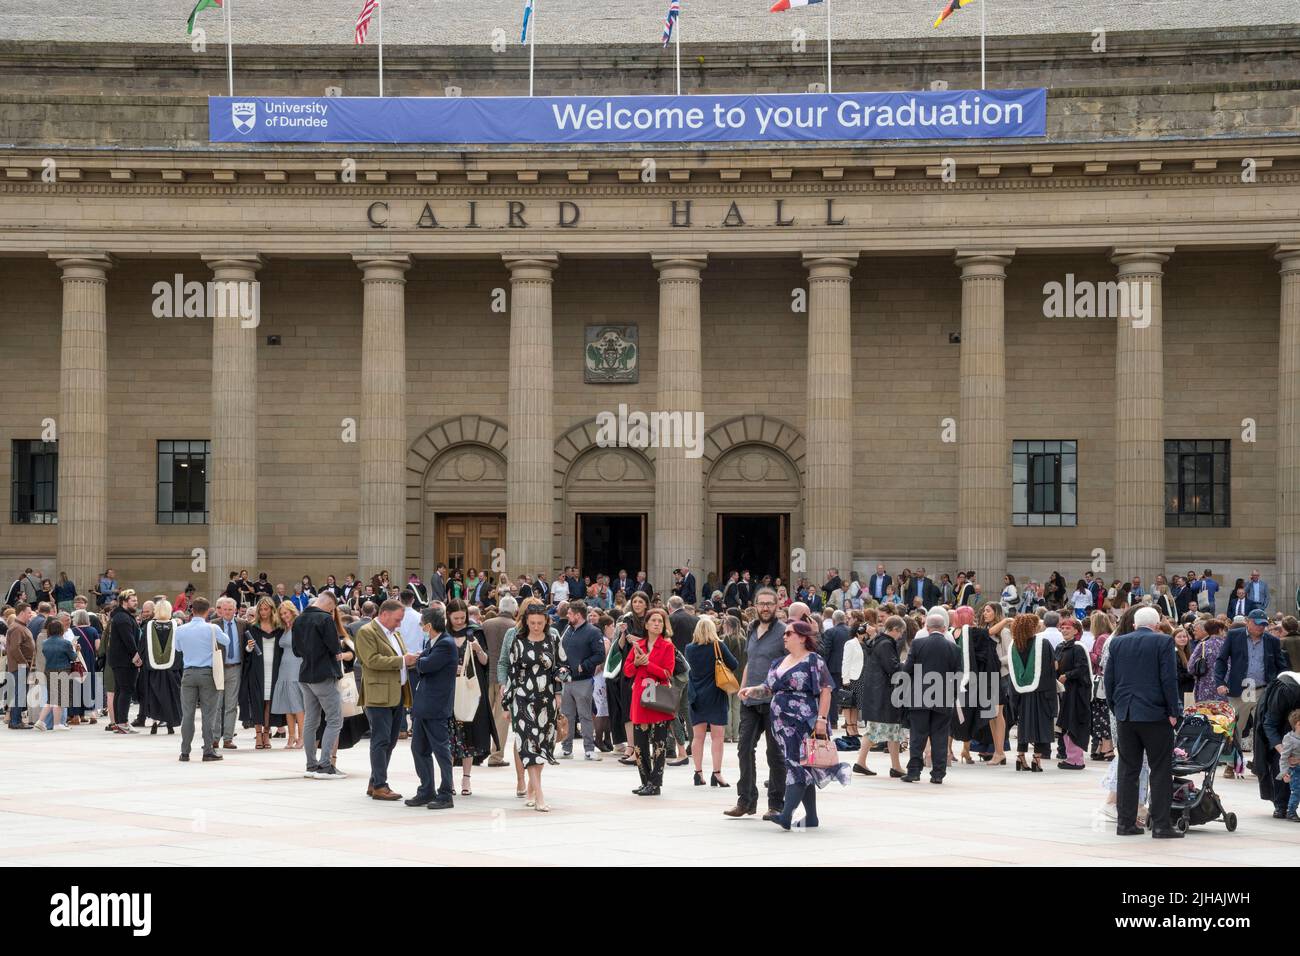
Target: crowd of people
[{"x": 480, "y": 669}]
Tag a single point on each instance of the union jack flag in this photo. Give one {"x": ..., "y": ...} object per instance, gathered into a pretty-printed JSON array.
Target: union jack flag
[
  {"x": 363, "y": 21},
  {"x": 674, "y": 10}
]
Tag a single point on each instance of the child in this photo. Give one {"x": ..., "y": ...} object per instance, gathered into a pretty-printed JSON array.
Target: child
[{"x": 1290, "y": 758}]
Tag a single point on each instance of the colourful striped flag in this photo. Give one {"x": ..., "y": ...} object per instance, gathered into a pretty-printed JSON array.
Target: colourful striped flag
[
  {"x": 950, "y": 8},
  {"x": 528, "y": 13},
  {"x": 363, "y": 21},
  {"x": 201, "y": 5},
  {"x": 787, "y": 4},
  {"x": 674, "y": 11}
]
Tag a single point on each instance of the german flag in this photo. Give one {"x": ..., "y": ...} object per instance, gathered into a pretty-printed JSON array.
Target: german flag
[{"x": 951, "y": 7}]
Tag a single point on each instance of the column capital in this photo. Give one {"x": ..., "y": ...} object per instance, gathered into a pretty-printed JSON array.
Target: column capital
[
  {"x": 84, "y": 265},
  {"x": 1288, "y": 254},
  {"x": 830, "y": 265},
  {"x": 237, "y": 265},
  {"x": 1135, "y": 260},
  {"x": 984, "y": 263},
  {"x": 531, "y": 265},
  {"x": 680, "y": 266},
  {"x": 387, "y": 266}
]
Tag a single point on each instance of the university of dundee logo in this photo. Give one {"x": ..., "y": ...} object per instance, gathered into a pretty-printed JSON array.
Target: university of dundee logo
[{"x": 244, "y": 116}]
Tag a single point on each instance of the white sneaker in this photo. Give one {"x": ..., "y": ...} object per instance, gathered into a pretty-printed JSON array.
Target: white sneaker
[
  {"x": 62, "y": 727},
  {"x": 329, "y": 773},
  {"x": 566, "y": 755},
  {"x": 40, "y": 725},
  {"x": 592, "y": 757}
]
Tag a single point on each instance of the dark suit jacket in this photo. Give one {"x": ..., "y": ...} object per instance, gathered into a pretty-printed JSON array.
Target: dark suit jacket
[
  {"x": 437, "y": 588},
  {"x": 885, "y": 582},
  {"x": 931, "y": 654},
  {"x": 123, "y": 638},
  {"x": 688, "y": 589},
  {"x": 1142, "y": 677},
  {"x": 1236, "y": 607},
  {"x": 1234, "y": 659},
  {"x": 832, "y": 649},
  {"x": 435, "y": 680},
  {"x": 925, "y": 590},
  {"x": 683, "y": 624},
  {"x": 241, "y": 637}
]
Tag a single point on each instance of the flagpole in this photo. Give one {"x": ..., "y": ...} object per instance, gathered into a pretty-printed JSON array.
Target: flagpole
[
  {"x": 679, "y": 51},
  {"x": 380, "y": 5},
  {"x": 532, "y": 47},
  {"x": 983, "y": 6},
  {"x": 829, "y": 87},
  {"x": 230, "y": 55}
]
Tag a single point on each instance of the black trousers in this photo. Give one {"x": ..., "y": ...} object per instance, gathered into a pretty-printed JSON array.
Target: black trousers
[
  {"x": 651, "y": 741},
  {"x": 430, "y": 741},
  {"x": 1156, "y": 740},
  {"x": 385, "y": 723},
  {"x": 124, "y": 678},
  {"x": 755, "y": 722},
  {"x": 932, "y": 725}
]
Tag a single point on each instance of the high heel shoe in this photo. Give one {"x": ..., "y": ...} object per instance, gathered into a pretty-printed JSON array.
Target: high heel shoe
[
  {"x": 997, "y": 763},
  {"x": 699, "y": 779},
  {"x": 1021, "y": 765},
  {"x": 966, "y": 758},
  {"x": 715, "y": 782},
  {"x": 1037, "y": 767}
]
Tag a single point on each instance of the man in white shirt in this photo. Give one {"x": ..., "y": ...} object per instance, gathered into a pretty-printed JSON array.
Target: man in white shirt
[
  {"x": 1051, "y": 629},
  {"x": 412, "y": 638},
  {"x": 559, "y": 591}
]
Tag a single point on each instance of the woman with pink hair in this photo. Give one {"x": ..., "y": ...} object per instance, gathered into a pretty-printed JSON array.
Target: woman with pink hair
[{"x": 977, "y": 690}]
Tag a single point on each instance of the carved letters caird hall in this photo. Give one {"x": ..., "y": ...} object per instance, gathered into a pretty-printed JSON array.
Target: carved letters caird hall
[{"x": 567, "y": 214}]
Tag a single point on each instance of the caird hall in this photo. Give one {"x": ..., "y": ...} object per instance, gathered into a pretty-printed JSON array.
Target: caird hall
[{"x": 902, "y": 350}]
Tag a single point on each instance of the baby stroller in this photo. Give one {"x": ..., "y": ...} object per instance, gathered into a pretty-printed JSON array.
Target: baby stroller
[{"x": 1198, "y": 744}]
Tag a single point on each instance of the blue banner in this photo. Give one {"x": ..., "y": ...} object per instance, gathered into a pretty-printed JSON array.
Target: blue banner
[{"x": 749, "y": 118}]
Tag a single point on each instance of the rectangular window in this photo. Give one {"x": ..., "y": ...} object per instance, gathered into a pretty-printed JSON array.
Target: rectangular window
[
  {"x": 1044, "y": 483},
  {"x": 1197, "y": 479},
  {"x": 34, "y": 498},
  {"x": 183, "y": 482}
]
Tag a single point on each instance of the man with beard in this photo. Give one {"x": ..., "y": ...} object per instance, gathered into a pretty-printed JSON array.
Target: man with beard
[
  {"x": 124, "y": 658},
  {"x": 764, "y": 644}
]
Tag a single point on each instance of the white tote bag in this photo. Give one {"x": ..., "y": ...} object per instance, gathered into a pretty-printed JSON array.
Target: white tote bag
[{"x": 468, "y": 696}]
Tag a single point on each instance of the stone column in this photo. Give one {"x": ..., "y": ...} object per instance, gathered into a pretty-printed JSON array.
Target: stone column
[
  {"x": 983, "y": 454},
  {"x": 1140, "y": 418},
  {"x": 828, "y": 514},
  {"x": 82, "y": 425},
  {"x": 232, "y": 510},
  {"x": 530, "y": 465},
  {"x": 679, "y": 472},
  {"x": 381, "y": 531},
  {"x": 1288, "y": 432}
]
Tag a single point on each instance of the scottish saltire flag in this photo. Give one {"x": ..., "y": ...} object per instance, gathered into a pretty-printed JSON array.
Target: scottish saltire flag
[
  {"x": 951, "y": 7},
  {"x": 674, "y": 11},
  {"x": 787, "y": 4},
  {"x": 363, "y": 21},
  {"x": 528, "y": 13}
]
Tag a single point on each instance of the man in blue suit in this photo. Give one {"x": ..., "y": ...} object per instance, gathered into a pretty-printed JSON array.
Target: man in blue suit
[
  {"x": 1142, "y": 691},
  {"x": 1250, "y": 657},
  {"x": 435, "y": 682},
  {"x": 1256, "y": 593}
]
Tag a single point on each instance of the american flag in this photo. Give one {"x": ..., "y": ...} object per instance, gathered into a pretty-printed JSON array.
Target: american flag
[
  {"x": 674, "y": 10},
  {"x": 363, "y": 21}
]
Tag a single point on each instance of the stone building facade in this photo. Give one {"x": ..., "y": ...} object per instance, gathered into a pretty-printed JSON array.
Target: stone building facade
[{"x": 863, "y": 328}]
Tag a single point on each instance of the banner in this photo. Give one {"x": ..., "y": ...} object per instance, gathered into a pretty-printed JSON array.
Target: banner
[{"x": 740, "y": 118}]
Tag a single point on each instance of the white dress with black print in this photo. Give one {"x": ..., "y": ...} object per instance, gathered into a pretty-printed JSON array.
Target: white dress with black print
[{"x": 538, "y": 670}]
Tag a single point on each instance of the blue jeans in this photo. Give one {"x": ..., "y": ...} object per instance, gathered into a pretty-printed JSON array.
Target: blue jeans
[
  {"x": 385, "y": 723},
  {"x": 430, "y": 740},
  {"x": 1295, "y": 789}
]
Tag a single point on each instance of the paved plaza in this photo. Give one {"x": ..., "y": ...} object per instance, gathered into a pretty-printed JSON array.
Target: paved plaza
[{"x": 85, "y": 799}]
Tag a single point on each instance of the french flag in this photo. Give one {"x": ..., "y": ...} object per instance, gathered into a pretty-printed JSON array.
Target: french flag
[{"x": 787, "y": 4}]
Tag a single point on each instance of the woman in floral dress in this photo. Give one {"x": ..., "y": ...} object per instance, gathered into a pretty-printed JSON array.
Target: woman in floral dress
[
  {"x": 799, "y": 687},
  {"x": 538, "y": 671}
]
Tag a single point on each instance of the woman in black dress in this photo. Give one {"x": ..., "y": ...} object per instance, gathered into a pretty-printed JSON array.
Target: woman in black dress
[
  {"x": 618, "y": 687},
  {"x": 535, "y": 676},
  {"x": 260, "y": 671},
  {"x": 160, "y": 677},
  {"x": 1074, "y": 672},
  {"x": 471, "y": 740},
  {"x": 1032, "y": 672}
]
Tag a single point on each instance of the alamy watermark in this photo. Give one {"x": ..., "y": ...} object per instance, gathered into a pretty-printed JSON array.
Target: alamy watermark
[
  {"x": 1129, "y": 299},
  {"x": 637, "y": 429},
  {"x": 214, "y": 299}
]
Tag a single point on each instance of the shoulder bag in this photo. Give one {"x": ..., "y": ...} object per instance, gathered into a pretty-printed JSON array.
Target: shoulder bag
[
  {"x": 818, "y": 752},
  {"x": 722, "y": 674},
  {"x": 467, "y": 700}
]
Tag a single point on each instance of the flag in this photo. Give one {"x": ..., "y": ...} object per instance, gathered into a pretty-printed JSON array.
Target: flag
[
  {"x": 528, "y": 13},
  {"x": 674, "y": 10},
  {"x": 363, "y": 21},
  {"x": 950, "y": 8},
  {"x": 787, "y": 4},
  {"x": 201, "y": 5}
]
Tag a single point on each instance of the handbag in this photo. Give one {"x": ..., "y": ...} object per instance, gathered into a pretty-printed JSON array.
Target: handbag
[
  {"x": 818, "y": 752},
  {"x": 662, "y": 698},
  {"x": 722, "y": 674},
  {"x": 468, "y": 697},
  {"x": 1200, "y": 666},
  {"x": 347, "y": 685},
  {"x": 845, "y": 698}
]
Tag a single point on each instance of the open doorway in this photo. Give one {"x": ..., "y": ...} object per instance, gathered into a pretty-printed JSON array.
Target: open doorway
[
  {"x": 757, "y": 543},
  {"x": 610, "y": 543}
]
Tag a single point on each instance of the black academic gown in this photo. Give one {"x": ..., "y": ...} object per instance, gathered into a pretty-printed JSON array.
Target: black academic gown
[
  {"x": 1075, "y": 717},
  {"x": 1279, "y": 698},
  {"x": 1035, "y": 711},
  {"x": 970, "y": 720},
  {"x": 160, "y": 688},
  {"x": 252, "y": 680},
  {"x": 482, "y": 735}
]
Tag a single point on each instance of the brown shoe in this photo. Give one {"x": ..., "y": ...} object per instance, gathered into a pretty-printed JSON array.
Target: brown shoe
[
  {"x": 403, "y": 735},
  {"x": 739, "y": 811},
  {"x": 383, "y": 793},
  {"x": 370, "y": 791},
  {"x": 229, "y": 745}
]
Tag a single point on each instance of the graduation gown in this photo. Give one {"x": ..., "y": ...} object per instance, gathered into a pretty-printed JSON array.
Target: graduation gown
[
  {"x": 1034, "y": 702},
  {"x": 160, "y": 677},
  {"x": 481, "y": 732},
  {"x": 1075, "y": 672},
  {"x": 252, "y": 677},
  {"x": 982, "y": 672}
]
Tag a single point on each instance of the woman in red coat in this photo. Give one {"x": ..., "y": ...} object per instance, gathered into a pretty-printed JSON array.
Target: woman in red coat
[{"x": 652, "y": 660}]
